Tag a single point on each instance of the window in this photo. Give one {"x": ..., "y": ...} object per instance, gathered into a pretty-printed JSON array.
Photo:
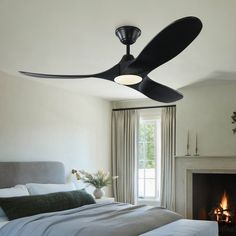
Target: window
[{"x": 149, "y": 150}]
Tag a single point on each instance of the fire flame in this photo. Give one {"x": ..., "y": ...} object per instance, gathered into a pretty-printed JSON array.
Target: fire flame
[
  {"x": 224, "y": 201},
  {"x": 222, "y": 213}
]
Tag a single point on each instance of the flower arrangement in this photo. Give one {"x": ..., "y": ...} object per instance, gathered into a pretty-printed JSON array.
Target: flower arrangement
[{"x": 98, "y": 180}]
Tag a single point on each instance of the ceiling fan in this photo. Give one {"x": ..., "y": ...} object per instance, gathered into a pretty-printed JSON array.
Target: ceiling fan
[{"x": 133, "y": 72}]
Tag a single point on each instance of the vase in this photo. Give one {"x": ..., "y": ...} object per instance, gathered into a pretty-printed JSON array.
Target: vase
[{"x": 98, "y": 193}]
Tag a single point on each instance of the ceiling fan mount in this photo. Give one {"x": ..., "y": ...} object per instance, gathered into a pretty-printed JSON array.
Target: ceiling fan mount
[
  {"x": 128, "y": 34},
  {"x": 133, "y": 72}
]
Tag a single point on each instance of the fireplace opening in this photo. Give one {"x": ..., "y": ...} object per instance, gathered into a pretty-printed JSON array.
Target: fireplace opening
[{"x": 214, "y": 198}]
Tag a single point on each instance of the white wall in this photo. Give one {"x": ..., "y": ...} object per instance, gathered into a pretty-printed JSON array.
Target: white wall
[
  {"x": 206, "y": 109},
  {"x": 43, "y": 123}
]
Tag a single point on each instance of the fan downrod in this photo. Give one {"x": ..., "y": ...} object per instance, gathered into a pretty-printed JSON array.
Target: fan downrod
[{"x": 128, "y": 34}]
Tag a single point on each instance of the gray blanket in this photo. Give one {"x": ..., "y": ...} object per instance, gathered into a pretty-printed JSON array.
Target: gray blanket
[{"x": 102, "y": 219}]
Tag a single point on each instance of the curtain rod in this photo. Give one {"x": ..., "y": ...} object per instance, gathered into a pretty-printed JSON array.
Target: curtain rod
[{"x": 139, "y": 108}]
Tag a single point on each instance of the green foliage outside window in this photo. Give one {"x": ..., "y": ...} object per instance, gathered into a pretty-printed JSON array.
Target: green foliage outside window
[{"x": 146, "y": 145}]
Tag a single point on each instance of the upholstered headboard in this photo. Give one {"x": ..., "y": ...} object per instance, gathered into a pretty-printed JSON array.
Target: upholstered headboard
[{"x": 12, "y": 173}]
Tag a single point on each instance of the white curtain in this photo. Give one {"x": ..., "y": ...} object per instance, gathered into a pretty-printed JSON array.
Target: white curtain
[
  {"x": 124, "y": 138},
  {"x": 168, "y": 135}
]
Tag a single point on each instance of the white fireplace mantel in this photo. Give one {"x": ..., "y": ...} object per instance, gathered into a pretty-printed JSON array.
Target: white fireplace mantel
[{"x": 186, "y": 166}]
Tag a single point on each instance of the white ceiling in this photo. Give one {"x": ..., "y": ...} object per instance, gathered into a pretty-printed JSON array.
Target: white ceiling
[{"x": 77, "y": 37}]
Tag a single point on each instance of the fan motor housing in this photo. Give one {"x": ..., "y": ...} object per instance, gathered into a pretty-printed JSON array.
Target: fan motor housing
[{"x": 128, "y": 34}]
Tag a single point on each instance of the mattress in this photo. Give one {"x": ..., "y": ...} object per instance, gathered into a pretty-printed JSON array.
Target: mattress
[{"x": 185, "y": 227}]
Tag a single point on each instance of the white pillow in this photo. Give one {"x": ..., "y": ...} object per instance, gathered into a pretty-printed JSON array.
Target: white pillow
[
  {"x": 3, "y": 219},
  {"x": 36, "y": 189},
  {"x": 18, "y": 190}
]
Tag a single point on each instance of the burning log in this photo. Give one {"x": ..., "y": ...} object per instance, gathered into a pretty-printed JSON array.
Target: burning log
[{"x": 222, "y": 213}]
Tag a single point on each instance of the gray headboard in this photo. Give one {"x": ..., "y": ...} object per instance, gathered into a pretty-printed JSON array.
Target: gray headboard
[{"x": 12, "y": 173}]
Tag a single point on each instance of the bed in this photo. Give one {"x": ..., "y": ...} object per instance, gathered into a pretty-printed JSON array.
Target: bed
[{"x": 100, "y": 219}]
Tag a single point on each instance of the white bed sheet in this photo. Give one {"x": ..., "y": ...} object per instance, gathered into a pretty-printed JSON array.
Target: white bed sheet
[
  {"x": 3, "y": 221},
  {"x": 186, "y": 228}
]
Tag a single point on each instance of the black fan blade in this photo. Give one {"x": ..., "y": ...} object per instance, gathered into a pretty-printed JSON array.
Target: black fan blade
[
  {"x": 108, "y": 74},
  {"x": 166, "y": 45},
  {"x": 52, "y": 76},
  {"x": 158, "y": 92}
]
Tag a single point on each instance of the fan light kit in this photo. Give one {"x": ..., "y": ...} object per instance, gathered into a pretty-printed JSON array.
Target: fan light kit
[
  {"x": 128, "y": 79},
  {"x": 133, "y": 72}
]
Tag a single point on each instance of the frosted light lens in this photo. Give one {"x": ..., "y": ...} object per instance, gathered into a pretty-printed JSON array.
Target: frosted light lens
[{"x": 128, "y": 79}]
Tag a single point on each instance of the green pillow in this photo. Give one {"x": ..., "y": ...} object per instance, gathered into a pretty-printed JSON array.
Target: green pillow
[{"x": 17, "y": 207}]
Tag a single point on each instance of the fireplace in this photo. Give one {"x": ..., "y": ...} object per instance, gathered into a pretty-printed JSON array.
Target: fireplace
[{"x": 214, "y": 198}]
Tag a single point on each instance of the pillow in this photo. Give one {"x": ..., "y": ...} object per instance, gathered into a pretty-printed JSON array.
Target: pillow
[
  {"x": 3, "y": 219},
  {"x": 18, "y": 190},
  {"x": 17, "y": 207},
  {"x": 36, "y": 189}
]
